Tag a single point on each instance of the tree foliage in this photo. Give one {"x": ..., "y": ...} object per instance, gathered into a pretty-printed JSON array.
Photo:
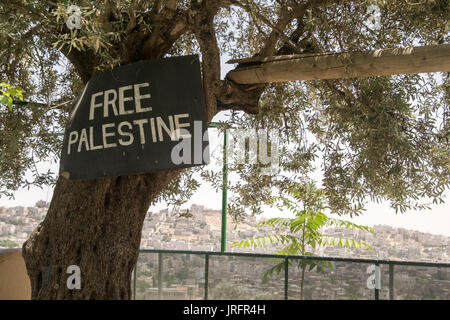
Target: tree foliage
[{"x": 381, "y": 138}]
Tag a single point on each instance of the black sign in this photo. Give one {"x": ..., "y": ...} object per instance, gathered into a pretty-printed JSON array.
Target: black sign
[{"x": 138, "y": 118}]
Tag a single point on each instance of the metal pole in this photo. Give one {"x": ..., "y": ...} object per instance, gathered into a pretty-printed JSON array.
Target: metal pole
[
  {"x": 223, "y": 238},
  {"x": 391, "y": 282},
  {"x": 286, "y": 278},
  {"x": 206, "y": 275},
  {"x": 160, "y": 271}
]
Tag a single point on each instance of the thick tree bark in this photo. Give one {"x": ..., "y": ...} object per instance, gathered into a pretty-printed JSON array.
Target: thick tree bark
[{"x": 95, "y": 225}]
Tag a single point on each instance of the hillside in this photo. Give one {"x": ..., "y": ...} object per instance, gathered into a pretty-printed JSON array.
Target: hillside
[{"x": 201, "y": 231}]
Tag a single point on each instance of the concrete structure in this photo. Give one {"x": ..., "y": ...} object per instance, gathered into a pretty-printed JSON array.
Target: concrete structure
[{"x": 14, "y": 280}]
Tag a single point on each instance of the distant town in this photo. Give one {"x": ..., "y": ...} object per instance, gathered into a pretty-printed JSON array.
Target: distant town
[{"x": 199, "y": 229}]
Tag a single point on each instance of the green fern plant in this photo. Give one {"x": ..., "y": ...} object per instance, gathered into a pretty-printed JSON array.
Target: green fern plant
[{"x": 304, "y": 231}]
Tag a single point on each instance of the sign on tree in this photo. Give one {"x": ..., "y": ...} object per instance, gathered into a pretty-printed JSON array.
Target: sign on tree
[{"x": 128, "y": 120}]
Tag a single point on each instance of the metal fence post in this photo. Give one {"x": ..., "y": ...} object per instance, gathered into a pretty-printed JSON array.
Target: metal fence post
[
  {"x": 160, "y": 272},
  {"x": 391, "y": 282},
  {"x": 206, "y": 275},
  {"x": 286, "y": 278}
]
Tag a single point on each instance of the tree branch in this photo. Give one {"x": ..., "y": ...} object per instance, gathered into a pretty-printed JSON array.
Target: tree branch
[{"x": 202, "y": 24}]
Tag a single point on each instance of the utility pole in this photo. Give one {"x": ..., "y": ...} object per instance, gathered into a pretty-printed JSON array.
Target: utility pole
[{"x": 434, "y": 58}]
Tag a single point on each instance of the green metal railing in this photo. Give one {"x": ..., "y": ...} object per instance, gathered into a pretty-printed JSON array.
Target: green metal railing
[{"x": 207, "y": 254}]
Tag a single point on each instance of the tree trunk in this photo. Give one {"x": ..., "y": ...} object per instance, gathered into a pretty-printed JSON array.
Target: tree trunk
[{"x": 95, "y": 225}]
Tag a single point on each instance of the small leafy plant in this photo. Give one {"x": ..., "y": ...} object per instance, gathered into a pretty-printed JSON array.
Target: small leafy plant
[{"x": 304, "y": 231}]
